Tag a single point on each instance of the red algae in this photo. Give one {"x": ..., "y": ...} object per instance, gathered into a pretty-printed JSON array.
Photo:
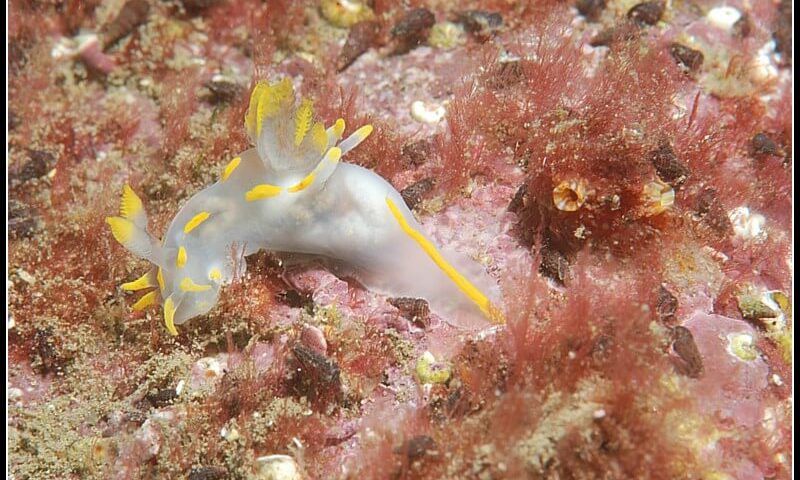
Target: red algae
[{"x": 622, "y": 170}]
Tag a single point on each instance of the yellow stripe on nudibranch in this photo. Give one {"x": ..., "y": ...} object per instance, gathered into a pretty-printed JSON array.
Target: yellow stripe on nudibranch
[
  {"x": 160, "y": 279},
  {"x": 195, "y": 221},
  {"x": 188, "y": 285},
  {"x": 140, "y": 283},
  {"x": 262, "y": 191},
  {"x": 302, "y": 120},
  {"x": 180, "y": 260},
  {"x": 131, "y": 205},
  {"x": 230, "y": 167},
  {"x": 470, "y": 290},
  {"x": 169, "y": 316},
  {"x": 147, "y": 300}
]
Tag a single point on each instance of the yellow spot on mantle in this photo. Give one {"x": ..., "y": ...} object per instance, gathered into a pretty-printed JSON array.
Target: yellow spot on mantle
[
  {"x": 262, "y": 191},
  {"x": 180, "y": 261},
  {"x": 196, "y": 221},
  {"x": 230, "y": 167}
]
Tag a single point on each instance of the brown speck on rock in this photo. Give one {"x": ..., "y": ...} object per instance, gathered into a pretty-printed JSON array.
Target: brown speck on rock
[
  {"x": 624, "y": 32},
  {"x": 412, "y": 30},
  {"x": 668, "y": 167},
  {"x": 39, "y": 163},
  {"x": 414, "y": 309},
  {"x": 683, "y": 344},
  {"x": 783, "y": 30},
  {"x": 314, "y": 376},
  {"x": 591, "y": 9},
  {"x": 418, "y": 152},
  {"x": 554, "y": 264},
  {"x": 666, "y": 306},
  {"x": 520, "y": 199},
  {"x": 761, "y": 144},
  {"x": 22, "y": 219},
  {"x": 414, "y": 193},
  {"x": 743, "y": 27},
  {"x": 646, "y": 13},
  {"x": 481, "y": 23},
  {"x": 133, "y": 14},
  {"x": 712, "y": 213},
  {"x": 688, "y": 58},
  {"x": 361, "y": 37},
  {"x": 208, "y": 473}
]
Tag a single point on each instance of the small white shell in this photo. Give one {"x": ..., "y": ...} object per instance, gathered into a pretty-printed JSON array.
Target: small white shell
[
  {"x": 723, "y": 17},
  {"x": 747, "y": 224},
  {"x": 429, "y": 113},
  {"x": 569, "y": 195}
]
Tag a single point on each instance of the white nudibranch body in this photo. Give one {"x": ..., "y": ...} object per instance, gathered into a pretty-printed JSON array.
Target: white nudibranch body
[{"x": 292, "y": 194}]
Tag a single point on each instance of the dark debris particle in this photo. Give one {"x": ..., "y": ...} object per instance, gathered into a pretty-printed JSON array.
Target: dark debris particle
[
  {"x": 418, "y": 152},
  {"x": 50, "y": 360},
  {"x": 481, "y": 23},
  {"x": 208, "y": 473},
  {"x": 22, "y": 220},
  {"x": 414, "y": 193},
  {"x": 39, "y": 163},
  {"x": 554, "y": 265},
  {"x": 621, "y": 33},
  {"x": 601, "y": 349},
  {"x": 688, "y": 58},
  {"x": 668, "y": 167},
  {"x": 743, "y": 27},
  {"x": 222, "y": 89},
  {"x": 295, "y": 299},
  {"x": 591, "y": 9},
  {"x": 683, "y": 344},
  {"x": 162, "y": 397},
  {"x": 133, "y": 14},
  {"x": 520, "y": 199},
  {"x": 416, "y": 310},
  {"x": 419, "y": 447},
  {"x": 646, "y": 13},
  {"x": 666, "y": 305},
  {"x": 315, "y": 375},
  {"x": 761, "y": 144},
  {"x": 196, "y": 7},
  {"x": 712, "y": 213},
  {"x": 362, "y": 36},
  {"x": 783, "y": 32},
  {"x": 412, "y": 30}
]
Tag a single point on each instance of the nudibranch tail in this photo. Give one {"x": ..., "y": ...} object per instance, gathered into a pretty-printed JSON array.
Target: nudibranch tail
[{"x": 485, "y": 305}]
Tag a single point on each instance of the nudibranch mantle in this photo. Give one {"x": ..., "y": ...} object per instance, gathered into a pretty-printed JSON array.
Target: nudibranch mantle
[{"x": 293, "y": 194}]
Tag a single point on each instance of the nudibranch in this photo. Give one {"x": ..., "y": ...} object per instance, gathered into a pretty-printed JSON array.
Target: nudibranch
[{"x": 291, "y": 193}]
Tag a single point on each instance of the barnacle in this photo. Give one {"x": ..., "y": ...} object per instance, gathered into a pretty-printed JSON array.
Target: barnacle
[
  {"x": 569, "y": 195},
  {"x": 657, "y": 197}
]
